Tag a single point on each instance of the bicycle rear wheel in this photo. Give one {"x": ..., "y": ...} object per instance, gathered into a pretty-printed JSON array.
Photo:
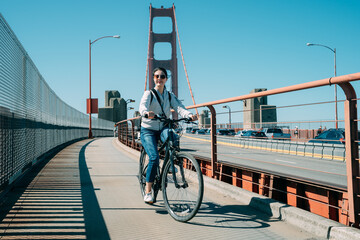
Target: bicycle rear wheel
[
  {"x": 183, "y": 193},
  {"x": 143, "y": 164}
]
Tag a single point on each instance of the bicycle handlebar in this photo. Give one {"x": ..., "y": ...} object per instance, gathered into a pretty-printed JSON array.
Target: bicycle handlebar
[{"x": 164, "y": 119}]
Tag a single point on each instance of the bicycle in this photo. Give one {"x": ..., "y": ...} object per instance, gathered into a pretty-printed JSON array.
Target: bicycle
[{"x": 180, "y": 177}]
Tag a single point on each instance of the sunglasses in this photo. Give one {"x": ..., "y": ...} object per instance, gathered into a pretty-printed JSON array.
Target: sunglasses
[{"x": 162, "y": 76}]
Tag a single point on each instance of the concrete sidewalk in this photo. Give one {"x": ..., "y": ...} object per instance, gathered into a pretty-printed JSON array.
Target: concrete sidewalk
[{"x": 90, "y": 190}]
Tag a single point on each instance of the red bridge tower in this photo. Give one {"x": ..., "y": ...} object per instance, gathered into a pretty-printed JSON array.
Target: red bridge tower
[{"x": 171, "y": 64}]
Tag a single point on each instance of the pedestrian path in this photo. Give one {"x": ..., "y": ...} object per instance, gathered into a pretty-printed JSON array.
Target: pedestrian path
[{"x": 90, "y": 190}]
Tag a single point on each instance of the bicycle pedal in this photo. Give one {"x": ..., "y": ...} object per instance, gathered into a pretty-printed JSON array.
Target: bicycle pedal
[{"x": 170, "y": 171}]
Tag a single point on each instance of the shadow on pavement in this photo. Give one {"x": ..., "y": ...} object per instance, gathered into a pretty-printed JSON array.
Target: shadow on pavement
[
  {"x": 55, "y": 200},
  {"x": 95, "y": 226},
  {"x": 231, "y": 216}
]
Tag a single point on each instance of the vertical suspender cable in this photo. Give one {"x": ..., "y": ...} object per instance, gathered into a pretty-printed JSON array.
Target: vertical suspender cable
[
  {"x": 147, "y": 60},
  {"x": 182, "y": 56}
]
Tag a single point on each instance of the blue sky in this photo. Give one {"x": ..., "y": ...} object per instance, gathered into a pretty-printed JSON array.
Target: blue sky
[{"x": 230, "y": 48}]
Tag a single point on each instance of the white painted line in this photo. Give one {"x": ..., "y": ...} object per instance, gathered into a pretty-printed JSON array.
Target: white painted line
[{"x": 284, "y": 161}]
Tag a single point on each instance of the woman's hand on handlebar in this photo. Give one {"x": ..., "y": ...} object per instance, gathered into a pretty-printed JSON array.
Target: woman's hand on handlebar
[
  {"x": 194, "y": 117},
  {"x": 150, "y": 115}
]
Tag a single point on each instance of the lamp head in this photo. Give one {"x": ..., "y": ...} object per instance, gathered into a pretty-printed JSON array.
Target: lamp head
[
  {"x": 116, "y": 36},
  {"x": 309, "y": 44}
]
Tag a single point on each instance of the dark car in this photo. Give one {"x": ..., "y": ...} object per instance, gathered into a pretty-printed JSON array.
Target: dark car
[
  {"x": 223, "y": 132},
  {"x": 254, "y": 134},
  {"x": 201, "y": 131},
  {"x": 232, "y": 131},
  {"x": 188, "y": 129},
  {"x": 194, "y": 130},
  {"x": 332, "y": 136}
]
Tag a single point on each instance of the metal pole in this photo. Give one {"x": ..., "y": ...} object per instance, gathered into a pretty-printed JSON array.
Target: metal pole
[
  {"x": 334, "y": 51},
  {"x": 352, "y": 153},
  {"x": 115, "y": 36},
  {"x": 229, "y": 117},
  {"x": 213, "y": 142},
  {"x": 90, "y": 132},
  {"x": 336, "y": 111}
]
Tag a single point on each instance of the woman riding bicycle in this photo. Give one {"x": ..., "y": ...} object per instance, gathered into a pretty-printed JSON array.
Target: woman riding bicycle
[{"x": 157, "y": 101}]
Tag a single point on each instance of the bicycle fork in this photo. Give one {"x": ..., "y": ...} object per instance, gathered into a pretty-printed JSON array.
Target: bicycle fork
[{"x": 173, "y": 171}]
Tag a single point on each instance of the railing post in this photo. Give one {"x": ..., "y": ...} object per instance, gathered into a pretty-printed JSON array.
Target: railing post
[
  {"x": 352, "y": 152},
  {"x": 132, "y": 133},
  {"x": 213, "y": 142},
  {"x": 127, "y": 133},
  {"x": 118, "y": 131}
]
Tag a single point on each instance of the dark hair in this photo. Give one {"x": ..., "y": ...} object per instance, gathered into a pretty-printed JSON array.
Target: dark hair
[{"x": 161, "y": 69}]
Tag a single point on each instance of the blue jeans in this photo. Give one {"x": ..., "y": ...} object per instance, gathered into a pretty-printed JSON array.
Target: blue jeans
[{"x": 149, "y": 140}]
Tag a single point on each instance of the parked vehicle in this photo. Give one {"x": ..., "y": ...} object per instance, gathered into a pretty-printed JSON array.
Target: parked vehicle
[
  {"x": 223, "y": 132},
  {"x": 240, "y": 133},
  {"x": 332, "y": 136},
  {"x": 194, "y": 130},
  {"x": 254, "y": 134},
  {"x": 201, "y": 131},
  {"x": 232, "y": 131},
  {"x": 276, "y": 133},
  {"x": 188, "y": 129}
]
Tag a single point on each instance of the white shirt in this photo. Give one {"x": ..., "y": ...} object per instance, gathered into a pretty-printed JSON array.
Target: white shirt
[{"x": 154, "y": 106}]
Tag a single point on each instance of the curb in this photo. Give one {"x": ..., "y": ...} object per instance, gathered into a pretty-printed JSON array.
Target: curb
[{"x": 307, "y": 221}]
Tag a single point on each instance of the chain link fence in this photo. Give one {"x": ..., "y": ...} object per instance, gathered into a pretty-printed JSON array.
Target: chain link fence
[{"x": 33, "y": 119}]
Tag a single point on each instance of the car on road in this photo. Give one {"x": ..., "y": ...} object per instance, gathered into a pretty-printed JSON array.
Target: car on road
[
  {"x": 232, "y": 131},
  {"x": 276, "y": 133},
  {"x": 194, "y": 130},
  {"x": 222, "y": 132},
  {"x": 240, "y": 133},
  {"x": 188, "y": 129},
  {"x": 332, "y": 136},
  {"x": 254, "y": 134},
  {"x": 201, "y": 131}
]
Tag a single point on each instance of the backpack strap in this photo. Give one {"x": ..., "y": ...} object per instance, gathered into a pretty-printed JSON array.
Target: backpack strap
[
  {"x": 153, "y": 91},
  {"x": 151, "y": 98}
]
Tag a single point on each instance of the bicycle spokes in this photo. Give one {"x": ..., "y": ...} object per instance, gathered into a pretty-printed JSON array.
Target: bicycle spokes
[{"x": 182, "y": 188}]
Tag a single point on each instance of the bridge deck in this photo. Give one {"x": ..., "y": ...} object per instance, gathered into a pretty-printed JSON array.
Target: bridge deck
[{"x": 90, "y": 190}]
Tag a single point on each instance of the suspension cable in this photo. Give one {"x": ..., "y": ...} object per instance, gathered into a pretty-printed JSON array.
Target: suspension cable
[
  {"x": 147, "y": 60},
  {"x": 182, "y": 56}
]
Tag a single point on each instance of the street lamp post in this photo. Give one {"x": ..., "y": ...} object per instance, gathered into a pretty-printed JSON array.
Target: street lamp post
[
  {"x": 226, "y": 106},
  {"x": 130, "y": 101},
  {"x": 334, "y": 51},
  {"x": 90, "y": 107},
  {"x": 129, "y": 108}
]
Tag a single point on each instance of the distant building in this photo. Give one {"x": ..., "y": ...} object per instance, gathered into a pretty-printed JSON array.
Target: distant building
[
  {"x": 257, "y": 113},
  {"x": 137, "y": 121},
  {"x": 115, "y": 109},
  {"x": 204, "y": 120}
]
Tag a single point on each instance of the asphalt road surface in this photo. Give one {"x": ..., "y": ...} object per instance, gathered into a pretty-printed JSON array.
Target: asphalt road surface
[{"x": 329, "y": 172}]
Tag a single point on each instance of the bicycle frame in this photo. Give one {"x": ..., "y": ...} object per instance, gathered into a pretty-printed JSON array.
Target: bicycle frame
[{"x": 170, "y": 149}]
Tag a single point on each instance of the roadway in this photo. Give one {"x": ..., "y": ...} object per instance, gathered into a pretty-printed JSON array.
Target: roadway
[
  {"x": 90, "y": 190},
  {"x": 327, "y": 172}
]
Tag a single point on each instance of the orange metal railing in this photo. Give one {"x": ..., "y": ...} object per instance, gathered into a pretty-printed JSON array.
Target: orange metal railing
[{"x": 351, "y": 129}]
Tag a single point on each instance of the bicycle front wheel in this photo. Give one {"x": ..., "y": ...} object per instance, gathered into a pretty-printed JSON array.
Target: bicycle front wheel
[{"x": 183, "y": 187}]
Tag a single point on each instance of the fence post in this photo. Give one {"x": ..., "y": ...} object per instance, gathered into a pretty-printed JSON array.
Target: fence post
[
  {"x": 133, "y": 133},
  {"x": 127, "y": 133},
  {"x": 213, "y": 142},
  {"x": 352, "y": 152}
]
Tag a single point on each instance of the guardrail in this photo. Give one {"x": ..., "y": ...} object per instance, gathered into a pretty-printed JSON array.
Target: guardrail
[
  {"x": 309, "y": 149},
  {"x": 264, "y": 183}
]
